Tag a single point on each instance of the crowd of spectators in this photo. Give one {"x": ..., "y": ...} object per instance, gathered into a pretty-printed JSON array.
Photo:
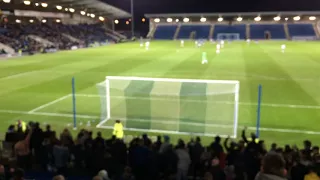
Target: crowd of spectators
[
  {"x": 60, "y": 36},
  {"x": 141, "y": 159}
]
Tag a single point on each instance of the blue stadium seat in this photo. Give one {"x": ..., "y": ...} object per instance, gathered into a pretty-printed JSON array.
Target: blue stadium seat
[
  {"x": 301, "y": 30},
  {"x": 165, "y": 31},
  {"x": 257, "y": 31},
  {"x": 202, "y": 31},
  {"x": 224, "y": 28}
]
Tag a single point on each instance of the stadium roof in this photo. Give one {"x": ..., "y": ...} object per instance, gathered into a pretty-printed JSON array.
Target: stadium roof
[
  {"x": 94, "y": 6},
  {"x": 288, "y": 13}
]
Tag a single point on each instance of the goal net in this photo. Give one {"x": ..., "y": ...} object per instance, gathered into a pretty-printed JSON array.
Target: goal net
[
  {"x": 228, "y": 36},
  {"x": 177, "y": 106}
]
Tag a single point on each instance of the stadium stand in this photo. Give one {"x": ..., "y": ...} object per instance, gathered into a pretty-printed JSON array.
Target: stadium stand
[
  {"x": 260, "y": 31},
  {"x": 224, "y": 28},
  {"x": 165, "y": 31},
  {"x": 301, "y": 30}
]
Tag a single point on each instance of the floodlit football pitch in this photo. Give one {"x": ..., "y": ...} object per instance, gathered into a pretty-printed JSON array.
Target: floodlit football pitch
[{"x": 38, "y": 88}]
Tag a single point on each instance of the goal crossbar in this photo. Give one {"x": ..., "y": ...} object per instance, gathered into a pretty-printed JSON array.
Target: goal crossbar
[{"x": 171, "y": 80}]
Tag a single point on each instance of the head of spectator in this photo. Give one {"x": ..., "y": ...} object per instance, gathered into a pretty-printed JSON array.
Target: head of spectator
[
  {"x": 104, "y": 175},
  {"x": 181, "y": 144},
  {"x": 48, "y": 128},
  {"x": 273, "y": 167},
  {"x": 307, "y": 145},
  {"x": 198, "y": 139},
  {"x": 58, "y": 177},
  {"x": 273, "y": 147},
  {"x": 217, "y": 139},
  {"x": 18, "y": 174},
  {"x": 11, "y": 129},
  {"x": 315, "y": 150},
  {"x": 166, "y": 138}
]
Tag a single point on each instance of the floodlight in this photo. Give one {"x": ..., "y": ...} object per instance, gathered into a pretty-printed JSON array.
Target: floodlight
[
  {"x": 116, "y": 21},
  {"x": 18, "y": 21},
  {"x": 156, "y": 20},
  {"x": 43, "y": 20},
  {"x": 37, "y": 4},
  {"x": 186, "y": 20},
  {"x": 92, "y": 15},
  {"x": 101, "y": 18},
  {"x": 169, "y": 19},
  {"x": 71, "y": 10},
  {"x": 258, "y": 18},
  {"x": 58, "y": 20},
  {"x": 143, "y": 20},
  {"x": 82, "y": 13},
  {"x": 296, "y": 18},
  {"x": 44, "y": 5},
  {"x": 203, "y": 19},
  {"x": 127, "y": 22},
  {"x": 286, "y": 19},
  {"x": 27, "y": 2},
  {"x": 220, "y": 19},
  {"x": 239, "y": 19},
  {"x": 6, "y": 1},
  {"x": 59, "y": 7},
  {"x": 88, "y": 14},
  {"x": 277, "y": 18},
  {"x": 66, "y": 9},
  {"x": 31, "y": 20},
  {"x": 312, "y": 18},
  {"x": 177, "y": 20}
]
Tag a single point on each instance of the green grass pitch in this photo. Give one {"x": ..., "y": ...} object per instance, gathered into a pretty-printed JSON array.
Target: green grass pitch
[{"x": 38, "y": 87}]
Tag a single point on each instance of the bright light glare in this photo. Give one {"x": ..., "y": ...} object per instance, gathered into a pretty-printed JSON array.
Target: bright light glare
[
  {"x": 296, "y": 18},
  {"x": 92, "y": 15},
  {"x": 203, "y": 19},
  {"x": 59, "y": 7},
  {"x": 277, "y": 18},
  {"x": 37, "y": 4},
  {"x": 186, "y": 20},
  {"x": 71, "y": 10},
  {"x": 258, "y": 18},
  {"x": 239, "y": 19},
  {"x": 177, "y": 20},
  {"x": 156, "y": 20},
  {"x": 66, "y": 9},
  {"x": 44, "y": 4},
  {"x": 6, "y": 1},
  {"x": 101, "y": 18},
  {"x": 312, "y": 18},
  {"x": 44, "y": 20},
  {"x": 18, "y": 21},
  {"x": 116, "y": 21},
  {"x": 82, "y": 13},
  {"x": 220, "y": 19},
  {"x": 31, "y": 20},
  {"x": 58, "y": 20},
  {"x": 27, "y": 2},
  {"x": 169, "y": 19}
]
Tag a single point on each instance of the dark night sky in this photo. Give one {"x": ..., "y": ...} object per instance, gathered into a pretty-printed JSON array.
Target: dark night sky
[{"x": 212, "y": 6}]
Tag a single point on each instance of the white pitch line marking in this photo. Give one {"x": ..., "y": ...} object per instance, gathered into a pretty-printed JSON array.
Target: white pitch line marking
[
  {"x": 215, "y": 125},
  {"x": 49, "y": 103}
]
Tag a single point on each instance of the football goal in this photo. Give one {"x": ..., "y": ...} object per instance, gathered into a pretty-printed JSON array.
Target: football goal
[
  {"x": 173, "y": 106},
  {"x": 228, "y": 36}
]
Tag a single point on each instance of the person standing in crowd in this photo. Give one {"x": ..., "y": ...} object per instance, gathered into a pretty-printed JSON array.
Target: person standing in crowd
[
  {"x": 118, "y": 129},
  {"x": 21, "y": 124}
]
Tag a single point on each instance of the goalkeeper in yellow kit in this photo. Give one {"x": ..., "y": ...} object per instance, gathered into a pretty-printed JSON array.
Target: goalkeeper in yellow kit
[{"x": 118, "y": 129}]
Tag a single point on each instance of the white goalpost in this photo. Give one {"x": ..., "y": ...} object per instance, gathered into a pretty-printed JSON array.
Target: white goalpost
[{"x": 176, "y": 106}]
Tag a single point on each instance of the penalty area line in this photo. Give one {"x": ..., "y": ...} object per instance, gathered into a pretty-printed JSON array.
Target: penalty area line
[{"x": 49, "y": 103}]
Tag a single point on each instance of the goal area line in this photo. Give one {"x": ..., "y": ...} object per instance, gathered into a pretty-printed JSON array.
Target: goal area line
[{"x": 50, "y": 114}]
